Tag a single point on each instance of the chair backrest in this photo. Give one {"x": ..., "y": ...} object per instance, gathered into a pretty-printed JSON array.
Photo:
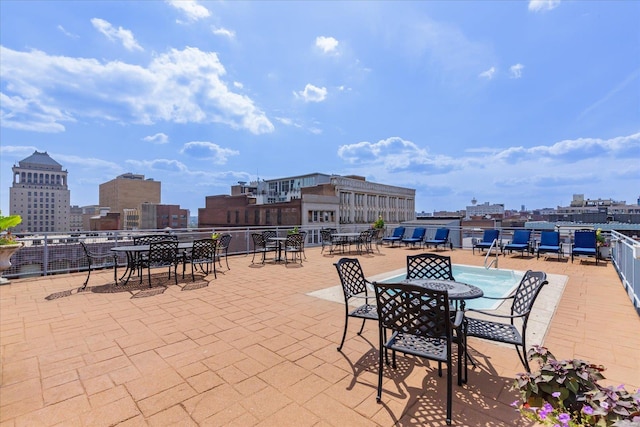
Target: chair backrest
[
  {"x": 398, "y": 232},
  {"x": 294, "y": 241},
  {"x": 163, "y": 253},
  {"x": 520, "y": 237},
  {"x": 150, "y": 238},
  {"x": 351, "y": 277},
  {"x": 86, "y": 250},
  {"x": 258, "y": 240},
  {"x": 441, "y": 234},
  {"x": 203, "y": 249},
  {"x": 584, "y": 239},
  {"x": 224, "y": 241},
  {"x": 325, "y": 235},
  {"x": 418, "y": 233},
  {"x": 429, "y": 266},
  {"x": 415, "y": 310},
  {"x": 550, "y": 238},
  {"x": 527, "y": 291},
  {"x": 268, "y": 234},
  {"x": 490, "y": 235}
]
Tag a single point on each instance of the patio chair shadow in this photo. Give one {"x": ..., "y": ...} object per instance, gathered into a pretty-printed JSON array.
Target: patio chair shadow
[{"x": 159, "y": 283}]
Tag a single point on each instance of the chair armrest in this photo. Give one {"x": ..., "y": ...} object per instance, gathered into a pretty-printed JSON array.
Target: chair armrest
[
  {"x": 503, "y": 316},
  {"x": 457, "y": 322},
  {"x": 498, "y": 298}
]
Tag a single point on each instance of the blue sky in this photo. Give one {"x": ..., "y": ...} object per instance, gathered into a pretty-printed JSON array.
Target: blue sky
[{"x": 521, "y": 103}]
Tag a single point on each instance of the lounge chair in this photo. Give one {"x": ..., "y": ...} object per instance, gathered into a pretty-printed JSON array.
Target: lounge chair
[
  {"x": 398, "y": 234},
  {"x": 416, "y": 237},
  {"x": 584, "y": 243},
  {"x": 488, "y": 237},
  {"x": 441, "y": 238},
  {"x": 520, "y": 242},
  {"x": 550, "y": 243}
]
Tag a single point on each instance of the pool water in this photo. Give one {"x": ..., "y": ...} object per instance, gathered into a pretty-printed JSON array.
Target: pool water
[{"x": 493, "y": 282}]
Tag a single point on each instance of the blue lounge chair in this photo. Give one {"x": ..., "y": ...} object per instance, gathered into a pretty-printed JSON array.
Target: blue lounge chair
[
  {"x": 398, "y": 234},
  {"x": 441, "y": 238},
  {"x": 416, "y": 237},
  {"x": 584, "y": 243},
  {"x": 488, "y": 237},
  {"x": 550, "y": 243},
  {"x": 520, "y": 242}
]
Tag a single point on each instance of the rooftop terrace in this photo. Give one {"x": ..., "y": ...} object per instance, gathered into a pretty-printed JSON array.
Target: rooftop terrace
[{"x": 254, "y": 348}]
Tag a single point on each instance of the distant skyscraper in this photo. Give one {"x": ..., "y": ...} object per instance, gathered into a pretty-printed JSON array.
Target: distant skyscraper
[
  {"x": 126, "y": 194},
  {"x": 40, "y": 195}
]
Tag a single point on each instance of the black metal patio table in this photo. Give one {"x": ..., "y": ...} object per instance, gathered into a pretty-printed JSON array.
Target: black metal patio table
[
  {"x": 133, "y": 252},
  {"x": 458, "y": 291}
]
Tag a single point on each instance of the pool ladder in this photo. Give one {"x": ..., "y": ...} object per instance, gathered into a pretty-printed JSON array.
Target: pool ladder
[{"x": 494, "y": 245}]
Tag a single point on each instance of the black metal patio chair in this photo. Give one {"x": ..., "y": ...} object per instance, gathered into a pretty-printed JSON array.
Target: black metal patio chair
[
  {"x": 429, "y": 266},
  {"x": 94, "y": 259},
  {"x": 355, "y": 288},
  {"x": 260, "y": 246},
  {"x": 202, "y": 255},
  {"x": 293, "y": 246},
  {"x": 222, "y": 249},
  {"x": 162, "y": 254},
  {"x": 421, "y": 325},
  {"x": 521, "y": 305}
]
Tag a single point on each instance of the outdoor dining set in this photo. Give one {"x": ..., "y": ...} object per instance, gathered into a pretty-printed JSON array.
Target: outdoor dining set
[
  {"x": 163, "y": 250},
  {"x": 425, "y": 314}
]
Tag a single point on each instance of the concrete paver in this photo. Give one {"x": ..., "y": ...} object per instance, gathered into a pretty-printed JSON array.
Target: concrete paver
[{"x": 254, "y": 348}]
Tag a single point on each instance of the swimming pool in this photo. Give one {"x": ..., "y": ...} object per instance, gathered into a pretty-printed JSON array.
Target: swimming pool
[{"x": 493, "y": 282}]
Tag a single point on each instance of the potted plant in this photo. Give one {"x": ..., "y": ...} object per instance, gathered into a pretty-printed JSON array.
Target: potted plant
[
  {"x": 566, "y": 393},
  {"x": 8, "y": 242},
  {"x": 602, "y": 244},
  {"x": 379, "y": 224}
]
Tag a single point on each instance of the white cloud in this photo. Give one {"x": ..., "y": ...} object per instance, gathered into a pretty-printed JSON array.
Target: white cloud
[
  {"x": 208, "y": 151},
  {"x": 543, "y": 5},
  {"x": 181, "y": 86},
  {"x": 158, "y": 138},
  {"x": 327, "y": 44},
  {"x": 395, "y": 153},
  {"x": 515, "y": 71},
  {"x": 223, "y": 32},
  {"x": 488, "y": 74},
  {"x": 67, "y": 33},
  {"x": 119, "y": 34},
  {"x": 312, "y": 93},
  {"x": 191, "y": 8}
]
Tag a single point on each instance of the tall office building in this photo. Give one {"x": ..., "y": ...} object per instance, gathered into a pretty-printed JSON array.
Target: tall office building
[
  {"x": 126, "y": 194},
  {"x": 308, "y": 200},
  {"x": 40, "y": 195}
]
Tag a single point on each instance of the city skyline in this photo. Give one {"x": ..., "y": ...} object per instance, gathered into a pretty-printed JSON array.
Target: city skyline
[{"x": 514, "y": 103}]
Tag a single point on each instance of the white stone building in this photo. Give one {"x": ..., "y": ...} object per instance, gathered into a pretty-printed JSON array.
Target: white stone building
[{"x": 40, "y": 195}]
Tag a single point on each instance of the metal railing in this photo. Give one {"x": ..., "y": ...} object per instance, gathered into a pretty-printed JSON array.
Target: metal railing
[
  {"x": 494, "y": 245},
  {"x": 625, "y": 256}
]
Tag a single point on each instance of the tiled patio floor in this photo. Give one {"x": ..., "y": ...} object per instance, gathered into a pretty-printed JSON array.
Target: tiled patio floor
[{"x": 252, "y": 348}]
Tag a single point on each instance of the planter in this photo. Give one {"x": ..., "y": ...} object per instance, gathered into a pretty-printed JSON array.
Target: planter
[
  {"x": 605, "y": 252},
  {"x": 6, "y": 251}
]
